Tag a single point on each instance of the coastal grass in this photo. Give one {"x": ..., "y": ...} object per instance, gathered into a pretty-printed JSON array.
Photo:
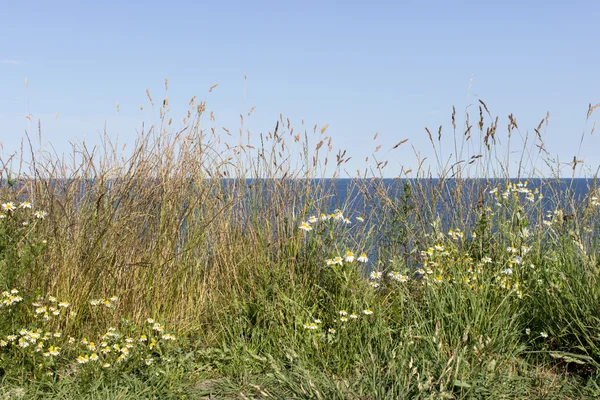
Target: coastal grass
[{"x": 162, "y": 272}]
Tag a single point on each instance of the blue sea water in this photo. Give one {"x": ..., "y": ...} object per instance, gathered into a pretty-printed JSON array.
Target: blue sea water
[{"x": 361, "y": 195}]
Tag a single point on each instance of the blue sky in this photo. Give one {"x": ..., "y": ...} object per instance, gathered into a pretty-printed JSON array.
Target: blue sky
[{"x": 361, "y": 67}]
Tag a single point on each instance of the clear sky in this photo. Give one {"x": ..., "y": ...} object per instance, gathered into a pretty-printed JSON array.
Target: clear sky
[{"x": 362, "y": 67}]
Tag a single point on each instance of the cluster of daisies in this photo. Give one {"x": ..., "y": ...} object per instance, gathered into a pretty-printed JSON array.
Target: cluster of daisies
[
  {"x": 337, "y": 215},
  {"x": 344, "y": 316},
  {"x": 47, "y": 347},
  {"x": 10, "y": 207}
]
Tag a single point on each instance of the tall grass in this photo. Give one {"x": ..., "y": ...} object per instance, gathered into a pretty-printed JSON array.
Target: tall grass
[{"x": 472, "y": 288}]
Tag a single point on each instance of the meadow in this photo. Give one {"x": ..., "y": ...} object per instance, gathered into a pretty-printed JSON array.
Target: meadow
[{"x": 159, "y": 272}]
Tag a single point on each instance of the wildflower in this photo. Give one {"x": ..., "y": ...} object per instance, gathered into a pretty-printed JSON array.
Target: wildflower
[
  {"x": 40, "y": 214},
  {"x": 54, "y": 351},
  {"x": 507, "y": 271},
  {"x": 343, "y": 319},
  {"x": 64, "y": 304},
  {"x": 331, "y": 331},
  {"x": 11, "y": 338},
  {"x": 338, "y": 260},
  {"x": 150, "y": 321},
  {"x": 517, "y": 260},
  {"x": 527, "y": 331},
  {"x": 313, "y": 220},
  {"x": 347, "y": 221},
  {"x": 10, "y": 206},
  {"x": 438, "y": 279},
  {"x": 318, "y": 321},
  {"x": 106, "y": 365},
  {"x": 148, "y": 361},
  {"x": 157, "y": 327},
  {"x": 143, "y": 338},
  {"x": 367, "y": 311},
  {"x": 305, "y": 226},
  {"x": 168, "y": 336},
  {"x": 3, "y": 343},
  {"x": 349, "y": 256},
  {"x": 353, "y": 316},
  {"x": 362, "y": 258},
  {"x": 374, "y": 285},
  {"x": 83, "y": 359},
  {"x": 25, "y": 204},
  {"x": 114, "y": 299},
  {"x": 376, "y": 275},
  {"x": 361, "y": 219},
  {"x": 486, "y": 260},
  {"x": 324, "y": 217},
  {"x": 543, "y": 334},
  {"x": 95, "y": 302},
  {"x": 94, "y": 357},
  {"x": 343, "y": 312}
]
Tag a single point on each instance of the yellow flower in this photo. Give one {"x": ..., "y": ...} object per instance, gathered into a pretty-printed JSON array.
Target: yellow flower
[{"x": 54, "y": 351}]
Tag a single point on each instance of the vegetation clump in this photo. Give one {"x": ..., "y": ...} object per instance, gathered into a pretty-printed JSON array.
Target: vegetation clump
[{"x": 196, "y": 267}]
